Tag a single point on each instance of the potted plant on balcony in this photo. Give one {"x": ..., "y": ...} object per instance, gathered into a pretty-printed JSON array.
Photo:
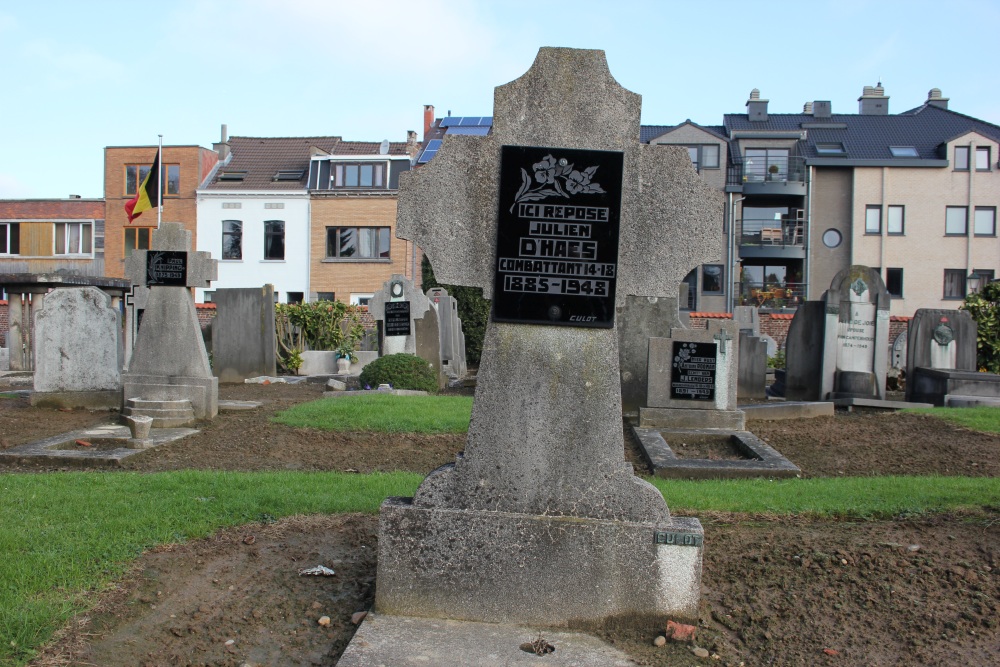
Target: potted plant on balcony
[{"x": 772, "y": 172}]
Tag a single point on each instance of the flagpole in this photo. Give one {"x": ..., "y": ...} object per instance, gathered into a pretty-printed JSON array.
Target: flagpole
[{"x": 159, "y": 179}]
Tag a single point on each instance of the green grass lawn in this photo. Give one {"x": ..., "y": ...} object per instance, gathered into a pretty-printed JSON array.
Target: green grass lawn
[
  {"x": 384, "y": 413},
  {"x": 978, "y": 419},
  {"x": 63, "y": 535}
]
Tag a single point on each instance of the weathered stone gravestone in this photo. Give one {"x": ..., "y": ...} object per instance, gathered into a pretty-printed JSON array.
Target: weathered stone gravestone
[
  {"x": 243, "y": 343},
  {"x": 837, "y": 348},
  {"x": 453, "y": 362},
  {"x": 640, "y": 318},
  {"x": 78, "y": 350},
  {"x": 747, "y": 319},
  {"x": 752, "y": 373},
  {"x": 557, "y": 214},
  {"x": 407, "y": 322},
  {"x": 941, "y": 361},
  {"x": 169, "y": 364},
  {"x": 692, "y": 379}
]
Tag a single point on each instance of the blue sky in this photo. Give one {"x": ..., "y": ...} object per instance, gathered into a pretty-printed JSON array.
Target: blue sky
[{"x": 81, "y": 75}]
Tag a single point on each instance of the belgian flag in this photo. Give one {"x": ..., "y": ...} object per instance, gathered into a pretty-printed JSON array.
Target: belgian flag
[{"x": 148, "y": 195}]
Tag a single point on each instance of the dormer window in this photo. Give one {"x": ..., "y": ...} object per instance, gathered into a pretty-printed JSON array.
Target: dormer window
[{"x": 358, "y": 175}]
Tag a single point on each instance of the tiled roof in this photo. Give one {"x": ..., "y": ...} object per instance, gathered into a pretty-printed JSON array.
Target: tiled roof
[
  {"x": 649, "y": 132},
  {"x": 868, "y": 137},
  {"x": 51, "y": 209},
  {"x": 262, "y": 157}
]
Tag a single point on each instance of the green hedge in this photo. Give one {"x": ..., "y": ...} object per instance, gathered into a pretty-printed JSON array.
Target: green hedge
[{"x": 402, "y": 371}]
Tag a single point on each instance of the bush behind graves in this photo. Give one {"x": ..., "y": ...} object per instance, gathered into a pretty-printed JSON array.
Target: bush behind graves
[
  {"x": 320, "y": 325},
  {"x": 984, "y": 306},
  {"x": 473, "y": 310},
  {"x": 402, "y": 371}
]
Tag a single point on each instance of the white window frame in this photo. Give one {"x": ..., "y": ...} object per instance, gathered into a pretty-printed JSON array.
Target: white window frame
[{"x": 66, "y": 228}]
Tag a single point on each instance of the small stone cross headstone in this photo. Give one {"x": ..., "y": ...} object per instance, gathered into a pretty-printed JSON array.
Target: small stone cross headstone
[{"x": 557, "y": 215}]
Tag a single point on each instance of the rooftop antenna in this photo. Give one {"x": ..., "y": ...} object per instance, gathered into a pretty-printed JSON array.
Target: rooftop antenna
[{"x": 383, "y": 148}]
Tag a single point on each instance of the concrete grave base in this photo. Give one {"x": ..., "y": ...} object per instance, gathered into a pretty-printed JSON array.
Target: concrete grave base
[
  {"x": 553, "y": 571},
  {"x": 850, "y": 404},
  {"x": 202, "y": 392},
  {"x": 730, "y": 420},
  {"x": 936, "y": 385},
  {"x": 788, "y": 410},
  {"x": 90, "y": 400},
  {"x": 762, "y": 460}
]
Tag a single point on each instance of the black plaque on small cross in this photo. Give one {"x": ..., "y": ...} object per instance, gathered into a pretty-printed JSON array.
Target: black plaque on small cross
[
  {"x": 397, "y": 318},
  {"x": 692, "y": 376},
  {"x": 557, "y": 236},
  {"x": 166, "y": 268}
]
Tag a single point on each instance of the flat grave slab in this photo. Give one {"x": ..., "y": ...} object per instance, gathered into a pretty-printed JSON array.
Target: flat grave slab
[
  {"x": 750, "y": 456},
  {"x": 787, "y": 410},
  {"x": 109, "y": 446},
  {"x": 850, "y": 404},
  {"x": 404, "y": 640}
]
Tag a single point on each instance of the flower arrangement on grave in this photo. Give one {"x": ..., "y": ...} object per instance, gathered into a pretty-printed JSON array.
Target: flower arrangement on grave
[{"x": 556, "y": 178}]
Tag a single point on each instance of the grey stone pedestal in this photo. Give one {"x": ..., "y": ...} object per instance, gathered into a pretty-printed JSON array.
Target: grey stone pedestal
[{"x": 502, "y": 567}]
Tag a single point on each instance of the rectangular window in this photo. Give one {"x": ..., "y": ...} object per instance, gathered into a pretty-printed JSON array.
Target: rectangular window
[
  {"x": 961, "y": 158},
  {"x": 361, "y": 299},
  {"x": 231, "y": 204},
  {"x": 357, "y": 243},
  {"x": 903, "y": 151},
  {"x": 982, "y": 158},
  {"x": 894, "y": 220},
  {"x": 135, "y": 174},
  {"x": 325, "y": 296},
  {"x": 274, "y": 239},
  {"x": 769, "y": 164},
  {"x": 873, "y": 220},
  {"x": 711, "y": 279},
  {"x": 894, "y": 282},
  {"x": 74, "y": 238},
  {"x": 954, "y": 283},
  {"x": 710, "y": 156},
  {"x": 956, "y": 221},
  {"x": 985, "y": 221},
  {"x": 296, "y": 297},
  {"x": 986, "y": 276},
  {"x": 232, "y": 239},
  {"x": 361, "y": 175},
  {"x": 10, "y": 238},
  {"x": 136, "y": 238}
]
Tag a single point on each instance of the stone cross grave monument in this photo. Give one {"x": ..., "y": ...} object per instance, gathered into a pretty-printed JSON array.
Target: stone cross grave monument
[
  {"x": 558, "y": 214},
  {"x": 169, "y": 361}
]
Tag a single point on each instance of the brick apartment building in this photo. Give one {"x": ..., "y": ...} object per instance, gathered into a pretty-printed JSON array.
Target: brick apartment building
[{"x": 184, "y": 170}]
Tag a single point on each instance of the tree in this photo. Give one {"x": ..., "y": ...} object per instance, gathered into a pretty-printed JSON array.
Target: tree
[
  {"x": 984, "y": 306},
  {"x": 473, "y": 309}
]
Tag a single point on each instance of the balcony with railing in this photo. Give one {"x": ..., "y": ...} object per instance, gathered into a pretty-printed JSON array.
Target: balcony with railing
[
  {"x": 771, "y": 175},
  {"x": 772, "y": 238},
  {"x": 770, "y": 296}
]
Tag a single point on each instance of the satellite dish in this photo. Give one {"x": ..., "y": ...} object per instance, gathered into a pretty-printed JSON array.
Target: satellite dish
[{"x": 384, "y": 148}]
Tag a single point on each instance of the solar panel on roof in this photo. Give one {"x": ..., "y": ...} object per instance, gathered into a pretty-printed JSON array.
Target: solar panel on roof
[
  {"x": 429, "y": 152},
  {"x": 449, "y": 121}
]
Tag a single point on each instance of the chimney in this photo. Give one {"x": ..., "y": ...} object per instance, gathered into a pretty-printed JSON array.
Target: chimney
[
  {"x": 873, "y": 101},
  {"x": 412, "y": 147},
  {"x": 756, "y": 107},
  {"x": 821, "y": 109},
  {"x": 934, "y": 99},
  {"x": 222, "y": 148},
  {"x": 807, "y": 108},
  {"x": 428, "y": 119}
]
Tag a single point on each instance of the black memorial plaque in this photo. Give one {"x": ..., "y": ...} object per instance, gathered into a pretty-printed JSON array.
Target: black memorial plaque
[
  {"x": 397, "y": 318},
  {"x": 692, "y": 377},
  {"x": 557, "y": 236},
  {"x": 166, "y": 267}
]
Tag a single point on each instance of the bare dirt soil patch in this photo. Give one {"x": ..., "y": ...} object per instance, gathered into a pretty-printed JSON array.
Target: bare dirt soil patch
[{"x": 777, "y": 591}]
